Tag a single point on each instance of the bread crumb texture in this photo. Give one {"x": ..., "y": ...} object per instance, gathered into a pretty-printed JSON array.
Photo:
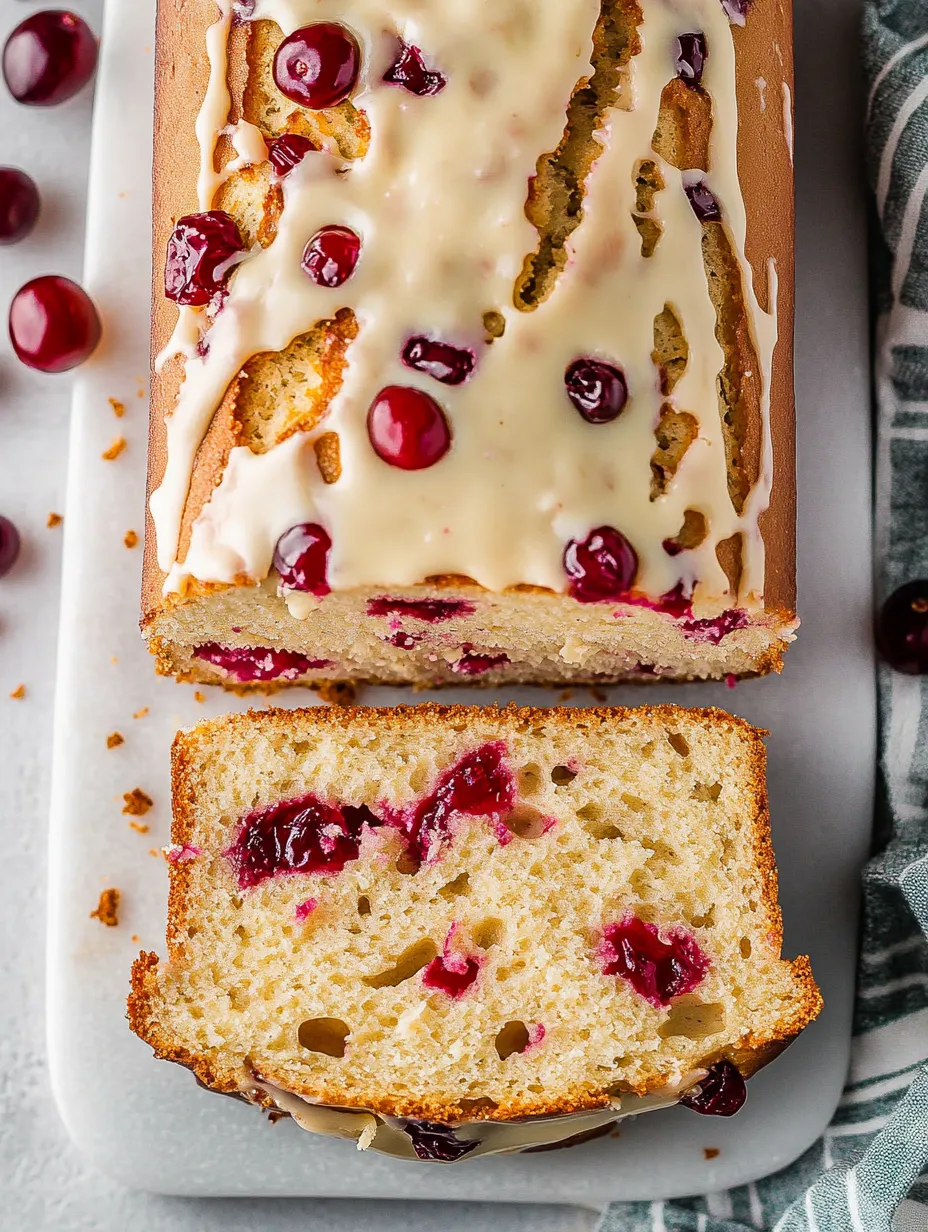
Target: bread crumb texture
[
  {"x": 138, "y": 802},
  {"x": 53, "y": 520},
  {"x": 109, "y": 455},
  {"x": 18, "y": 693},
  {"x": 114, "y": 740},
  {"x": 107, "y": 909}
]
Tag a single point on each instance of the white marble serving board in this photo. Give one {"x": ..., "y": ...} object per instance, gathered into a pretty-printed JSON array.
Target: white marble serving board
[{"x": 147, "y": 1123}]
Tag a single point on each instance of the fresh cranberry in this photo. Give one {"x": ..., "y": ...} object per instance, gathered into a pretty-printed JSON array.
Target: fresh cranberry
[
  {"x": 404, "y": 641},
  {"x": 317, "y": 66},
  {"x": 407, "y": 428},
  {"x": 446, "y": 363},
  {"x": 19, "y": 205},
  {"x": 9, "y": 545},
  {"x": 479, "y": 785},
  {"x": 737, "y": 10},
  {"x": 252, "y": 664},
  {"x": 302, "y": 557},
  {"x": 54, "y": 325},
  {"x": 288, "y": 151},
  {"x": 307, "y": 835},
  {"x": 601, "y": 567},
  {"x": 451, "y": 974},
  {"x": 431, "y": 611},
  {"x": 671, "y": 547},
  {"x": 331, "y": 255},
  {"x": 721, "y": 1093},
  {"x": 476, "y": 664},
  {"x": 717, "y": 627},
  {"x": 657, "y": 970},
  {"x": 49, "y": 57},
  {"x": 201, "y": 252},
  {"x": 704, "y": 203},
  {"x": 690, "y": 57},
  {"x": 437, "y": 1143},
  {"x": 409, "y": 71},
  {"x": 598, "y": 390},
  {"x": 902, "y": 629}
]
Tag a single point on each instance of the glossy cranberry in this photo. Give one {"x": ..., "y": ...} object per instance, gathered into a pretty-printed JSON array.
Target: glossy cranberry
[
  {"x": 705, "y": 206},
  {"x": 331, "y": 255},
  {"x": 479, "y": 785},
  {"x": 201, "y": 252},
  {"x": 690, "y": 57},
  {"x": 288, "y": 151},
  {"x": 306, "y": 835},
  {"x": 601, "y": 567},
  {"x": 407, "y": 428},
  {"x": 452, "y": 974},
  {"x": 252, "y": 664},
  {"x": 49, "y": 57},
  {"x": 597, "y": 390},
  {"x": 19, "y": 205},
  {"x": 721, "y": 1093},
  {"x": 431, "y": 611},
  {"x": 446, "y": 363},
  {"x": 737, "y": 10},
  {"x": 471, "y": 664},
  {"x": 658, "y": 970},
  {"x": 436, "y": 1143},
  {"x": 713, "y": 629},
  {"x": 9, "y": 546},
  {"x": 902, "y": 629},
  {"x": 54, "y": 325},
  {"x": 302, "y": 557},
  {"x": 317, "y": 66},
  {"x": 409, "y": 71}
]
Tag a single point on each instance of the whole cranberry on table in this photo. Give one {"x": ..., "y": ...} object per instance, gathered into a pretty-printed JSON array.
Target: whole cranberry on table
[
  {"x": 902, "y": 629},
  {"x": 9, "y": 545},
  {"x": 54, "y": 325},
  {"x": 19, "y": 205},
  {"x": 49, "y": 57}
]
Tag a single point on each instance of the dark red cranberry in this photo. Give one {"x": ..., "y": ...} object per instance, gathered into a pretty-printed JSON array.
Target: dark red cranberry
[
  {"x": 317, "y": 66},
  {"x": 407, "y": 428},
  {"x": 9, "y": 546},
  {"x": 446, "y": 363},
  {"x": 658, "y": 970},
  {"x": 288, "y": 151},
  {"x": 307, "y": 835},
  {"x": 431, "y": 611},
  {"x": 671, "y": 547},
  {"x": 902, "y": 629},
  {"x": 251, "y": 664},
  {"x": 451, "y": 974},
  {"x": 601, "y": 567},
  {"x": 49, "y": 57},
  {"x": 201, "y": 252},
  {"x": 302, "y": 557},
  {"x": 737, "y": 10},
  {"x": 404, "y": 641},
  {"x": 331, "y": 255},
  {"x": 705, "y": 206},
  {"x": 715, "y": 628},
  {"x": 721, "y": 1093},
  {"x": 436, "y": 1143},
  {"x": 54, "y": 325},
  {"x": 598, "y": 390},
  {"x": 690, "y": 57},
  {"x": 19, "y": 205},
  {"x": 409, "y": 71},
  {"x": 471, "y": 664}
]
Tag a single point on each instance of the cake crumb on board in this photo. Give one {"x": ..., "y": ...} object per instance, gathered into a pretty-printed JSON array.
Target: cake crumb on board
[
  {"x": 130, "y": 539},
  {"x": 199, "y": 697},
  {"x": 140, "y": 714},
  {"x": 140, "y": 827},
  {"x": 107, "y": 908},
  {"x": 337, "y": 692},
  {"x": 138, "y": 802},
  {"x": 114, "y": 740},
  {"x": 119, "y": 408},
  {"x": 710, "y": 1152},
  {"x": 18, "y": 693},
  {"x": 53, "y": 520},
  {"x": 109, "y": 455}
]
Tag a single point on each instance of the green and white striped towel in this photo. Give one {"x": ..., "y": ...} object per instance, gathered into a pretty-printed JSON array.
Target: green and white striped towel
[{"x": 867, "y": 1173}]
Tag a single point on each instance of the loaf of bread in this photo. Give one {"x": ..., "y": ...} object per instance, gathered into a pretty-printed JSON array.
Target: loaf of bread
[
  {"x": 448, "y": 931},
  {"x": 473, "y": 325}
]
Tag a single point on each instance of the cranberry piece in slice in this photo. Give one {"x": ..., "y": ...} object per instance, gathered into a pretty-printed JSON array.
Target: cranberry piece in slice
[
  {"x": 54, "y": 325},
  {"x": 431, "y": 611},
  {"x": 715, "y": 628},
  {"x": 9, "y": 545},
  {"x": 721, "y": 1093},
  {"x": 253, "y": 664},
  {"x": 200, "y": 253},
  {"x": 690, "y": 57},
  {"x": 598, "y": 390},
  {"x": 407, "y": 428},
  {"x": 704, "y": 203},
  {"x": 301, "y": 558},
  {"x": 436, "y": 1143},
  {"x": 49, "y": 57},
  {"x": 405, "y": 641},
  {"x": 19, "y": 205},
  {"x": 471, "y": 664},
  {"x": 601, "y": 567},
  {"x": 288, "y": 151},
  {"x": 446, "y": 363},
  {"x": 902, "y": 629},
  {"x": 737, "y": 11},
  {"x": 658, "y": 970},
  {"x": 409, "y": 71},
  {"x": 331, "y": 255},
  {"x": 451, "y": 974},
  {"x": 317, "y": 66}
]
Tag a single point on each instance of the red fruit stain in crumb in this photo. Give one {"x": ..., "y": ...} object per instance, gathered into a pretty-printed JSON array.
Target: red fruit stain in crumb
[
  {"x": 181, "y": 853},
  {"x": 471, "y": 664},
  {"x": 431, "y": 611},
  {"x": 716, "y": 628},
  {"x": 657, "y": 969},
  {"x": 305, "y": 910},
  {"x": 731, "y": 680},
  {"x": 250, "y": 664},
  {"x": 675, "y": 602},
  {"x": 404, "y": 641},
  {"x": 451, "y": 973},
  {"x": 536, "y": 1034}
]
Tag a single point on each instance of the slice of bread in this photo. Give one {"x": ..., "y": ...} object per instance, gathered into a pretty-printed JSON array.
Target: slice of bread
[{"x": 465, "y": 917}]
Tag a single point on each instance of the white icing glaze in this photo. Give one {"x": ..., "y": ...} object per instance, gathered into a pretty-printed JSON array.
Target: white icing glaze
[
  {"x": 788, "y": 119},
  {"x": 439, "y": 204}
]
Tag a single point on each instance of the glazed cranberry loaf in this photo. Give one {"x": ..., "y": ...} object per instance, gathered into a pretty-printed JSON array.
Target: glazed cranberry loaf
[
  {"x": 473, "y": 325},
  {"x": 451, "y": 931}
]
